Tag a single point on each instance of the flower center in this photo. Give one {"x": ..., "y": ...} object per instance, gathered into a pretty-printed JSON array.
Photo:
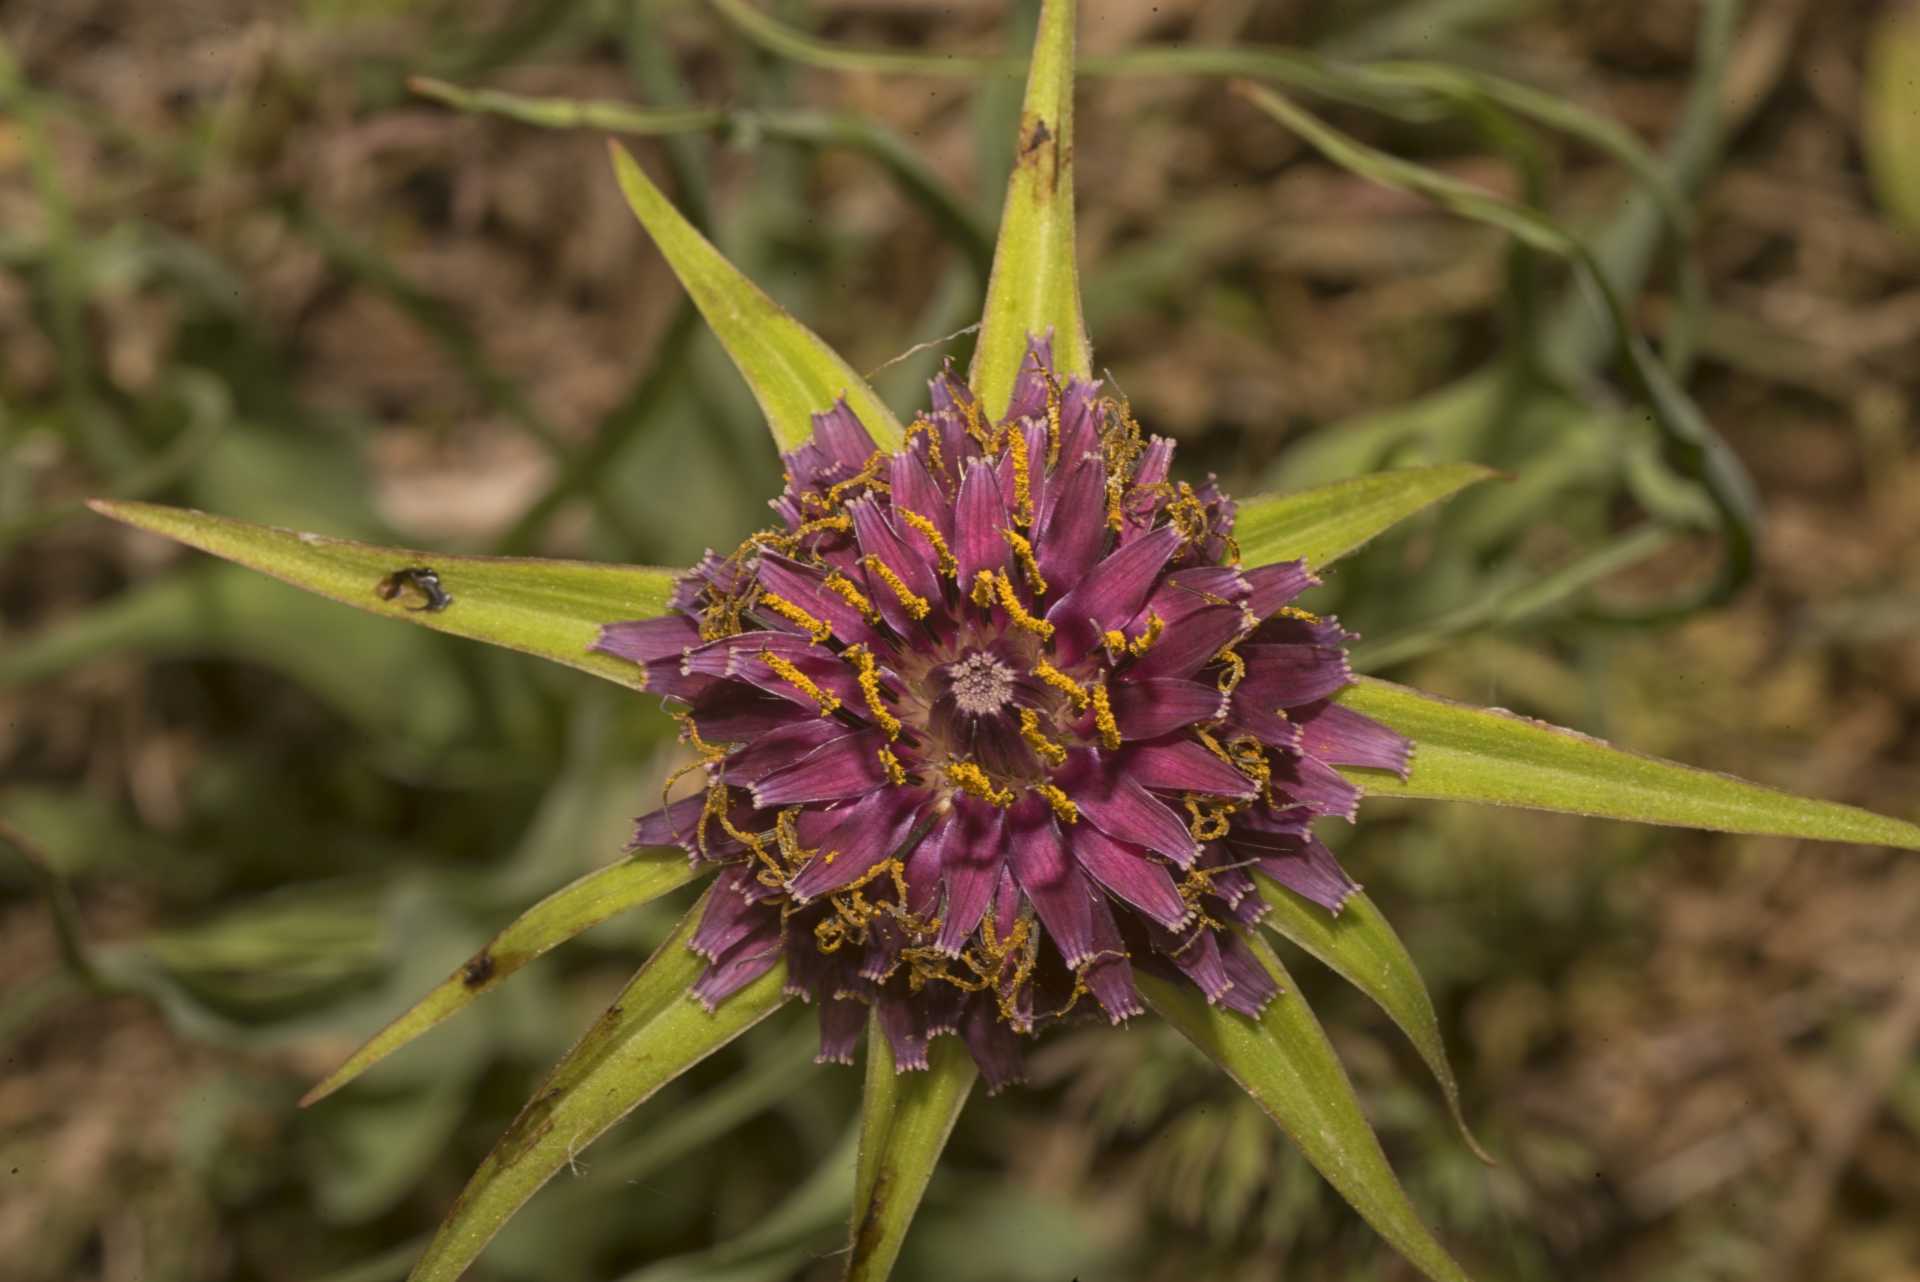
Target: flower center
[{"x": 982, "y": 685}]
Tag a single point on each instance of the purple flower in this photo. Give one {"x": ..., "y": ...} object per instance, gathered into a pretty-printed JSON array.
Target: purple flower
[{"x": 991, "y": 721}]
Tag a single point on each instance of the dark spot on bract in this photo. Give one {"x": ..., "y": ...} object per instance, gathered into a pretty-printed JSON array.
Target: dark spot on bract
[
  {"x": 477, "y": 971},
  {"x": 1037, "y": 137},
  {"x": 420, "y": 584}
]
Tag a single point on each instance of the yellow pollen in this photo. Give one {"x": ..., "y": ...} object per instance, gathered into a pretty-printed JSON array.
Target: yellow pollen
[
  {"x": 1116, "y": 486},
  {"x": 1063, "y": 683},
  {"x": 976, "y": 422},
  {"x": 1010, "y": 602},
  {"x": 868, "y": 475},
  {"x": 1209, "y": 820},
  {"x": 862, "y": 659},
  {"x": 841, "y": 586},
  {"x": 843, "y": 523},
  {"x": 973, "y": 781},
  {"x": 1235, "y": 672},
  {"x": 1023, "y": 553},
  {"x": 931, "y": 532},
  {"x": 1022, "y": 476},
  {"x": 1295, "y": 612},
  {"x": 816, "y": 630},
  {"x": 896, "y": 773},
  {"x": 782, "y": 668},
  {"x": 1046, "y": 749},
  {"x": 1062, "y": 804},
  {"x": 983, "y": 589},
  {"x": 915, "y": 606},
  {"x": 1103, "y": 719},
  {"x": 924, "y": 427},
  {"x": 1144, "y": 642}
]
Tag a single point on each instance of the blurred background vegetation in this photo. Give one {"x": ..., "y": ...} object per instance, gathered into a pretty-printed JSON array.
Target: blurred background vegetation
[{"x": 243, "y": 267}]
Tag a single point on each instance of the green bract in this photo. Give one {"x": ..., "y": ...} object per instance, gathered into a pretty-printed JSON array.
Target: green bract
[{"x": 556, "y": 610}]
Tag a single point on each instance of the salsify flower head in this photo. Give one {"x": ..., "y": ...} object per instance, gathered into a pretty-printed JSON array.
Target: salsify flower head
[{"x": 989, "y": 721}]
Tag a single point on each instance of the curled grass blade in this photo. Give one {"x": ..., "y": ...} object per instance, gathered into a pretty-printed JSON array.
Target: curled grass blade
[
  {"x": 905, "y": 1121},
  {"x": 1325, "y": 523},
  {"x": 553, "y": 609},
  {"x": 1363, "y": 949},
  {"x": 1688, "y": 437},
  {"x": 651, "y": 1034},
  {"x": 1487, "y": 755},
  {"x": 793, "y": 373},
  {"x": 1284, "y": 1061},
  {"x": 1035, "y": 285},
  {"x": 603, "y": 893}
]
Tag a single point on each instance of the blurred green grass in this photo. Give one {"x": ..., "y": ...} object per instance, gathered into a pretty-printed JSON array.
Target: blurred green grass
[{"x": 241, "y": 268}]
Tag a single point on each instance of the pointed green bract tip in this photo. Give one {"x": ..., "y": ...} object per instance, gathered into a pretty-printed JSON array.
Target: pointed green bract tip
[
  {"x": 1035, "y": 286},
  {"x": 793, "y": 373}
]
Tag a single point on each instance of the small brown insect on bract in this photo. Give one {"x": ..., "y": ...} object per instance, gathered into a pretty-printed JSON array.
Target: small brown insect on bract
[{"x": 420, "y": 584}]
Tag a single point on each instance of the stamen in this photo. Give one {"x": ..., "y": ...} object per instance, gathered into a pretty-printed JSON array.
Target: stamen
[
  {"x": 869, "y": 671},
  {"x": 915, "y": 606},
  {"x": 1063, "y": 683},
  {"x": 1044, "y": 748},
  {"x": 1188, "y": 515},
  {"x": 1062, "y": 804},
  {"x": 925, "y": 427},
  {"x": 1023, "y": 553},
  {"x": 1022, "y": 475},
  {"x": 868, "y": 475},
  {"x": 1103, "y": 719},
  {"x": 829, "y": 703},
  {"x": 1295, "y": 612},
  {"x": 1144, "y": 642},
  {"x": 842, "y": 524},
  {"x": 973, "y": 781},
  {"x": 1236, "y": 670},
  {"x": 1003, "y": 588},
  {"x": 983, "y": 589},
  {"x": 976, "y": 422},
  {"x": 1208, "y": 820},
  {"x": 931, "y": 532},
  {"x": 896, "y": 773},
  {"x": 841, "y": 586},
  {"x": 816, "y": 629}
]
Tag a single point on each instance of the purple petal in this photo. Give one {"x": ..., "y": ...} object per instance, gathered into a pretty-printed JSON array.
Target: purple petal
[
  {"x": 1079, "y": 420},
  {"x": 842, "y": 437},
  {"x": 1313, "y": 873},
  {"x": 804, "y": 586},
  {"x": 1316, "y": 785},
  {"x": 1285, "y": 676},
  {"x": 1188, "y": 645},
  {"x": 1030, "y": 384},
  {"x": 1245, "y": 715},
  {"x": 1058, "y": 890},
  {"x": 971, "y": 855},
  {"x": 1130, "y": 875},
  {"x": 646, "y": 640},
  {"x": 1073, "y": 532},
  {"x": 879, "y": 537},
  {"x": 1277, "y": 584},
  {"x": 848, "y": 766},
  {"x": 735, "y": 713},
  {"x": 671, "y": 825},
  {"x": 1198, "y": 957},
  {"x": 994, "y": 1046},
  {"x": 1157, "y": 705},
  {"x": 1341, "y": 737},
  {"x": 1253, "y": 988},
  {"x": 841, "y": 1021},
  {"x": 1117, "y": 805},
  {"x": 915, "y": 490},
  {"x": 869, "y": 833},
  {"x": 749, "y": 960},
  {"x": 1179, "y": 764},
  {"x": 1109, "y": 975},
  {"x": 778, "y": 749},
  {"x": 904, "y": 1022},
  {"x": 979, "y": 517},
  {"x": 731, "y": 915},
  {"x": 1110, "y": 594}
]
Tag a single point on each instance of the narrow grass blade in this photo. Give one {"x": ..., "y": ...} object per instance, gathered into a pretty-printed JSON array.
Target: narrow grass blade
[
  {"x": 1363, "y": 949},
  {"x": 651, "y": 1034},
  {"x": 603, "y": 893},
  {"x": 793, "y": 373},
  {"x": 1283, "y": 1060},
  {"x": 1325, "y": 523},
  {"x": 1035, "y": 286},
  {"x": 553, "y": 609},
  {"x": 905, "y": 1121},
  {"x": 1463, "y": 753}
]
